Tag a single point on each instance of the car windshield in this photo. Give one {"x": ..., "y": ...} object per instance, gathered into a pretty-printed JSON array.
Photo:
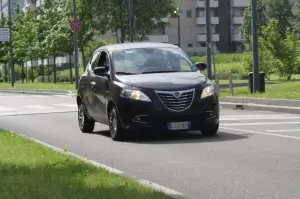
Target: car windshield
[{"x": 151, "y": 60}]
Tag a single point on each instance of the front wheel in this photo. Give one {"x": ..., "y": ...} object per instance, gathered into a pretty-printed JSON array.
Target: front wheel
[
  {"x": 86, "y": 125},
  {"x": 115, "y": 128},
  {"x": 210, "y": 129}
]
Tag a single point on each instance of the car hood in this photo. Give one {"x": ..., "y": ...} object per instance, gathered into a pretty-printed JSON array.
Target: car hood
[{"x": 165, "y": 81}]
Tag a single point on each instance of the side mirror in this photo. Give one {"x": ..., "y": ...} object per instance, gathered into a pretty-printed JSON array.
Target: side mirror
[
  {"x": 101, "y": 71},
  {"x": 201, "y": 66}
]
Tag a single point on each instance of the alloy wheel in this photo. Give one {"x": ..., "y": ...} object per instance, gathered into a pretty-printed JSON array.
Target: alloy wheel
[
  {"x": 113, "y": 123},
  {"x": 81, "y": 116}
]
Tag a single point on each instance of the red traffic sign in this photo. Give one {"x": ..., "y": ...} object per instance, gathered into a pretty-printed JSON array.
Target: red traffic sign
[{"x": 76, "y": 25}]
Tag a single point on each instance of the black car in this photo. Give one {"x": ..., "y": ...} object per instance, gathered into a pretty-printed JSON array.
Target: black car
[{"x": 135, "y": 86}]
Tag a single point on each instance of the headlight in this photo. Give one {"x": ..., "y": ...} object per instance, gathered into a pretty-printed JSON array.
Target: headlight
[
  {"x": 208, "y": 91},
  {"x": 135, "y": 95}
]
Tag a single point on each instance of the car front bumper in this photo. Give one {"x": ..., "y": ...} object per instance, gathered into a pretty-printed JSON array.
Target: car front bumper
[{"x": 135, "y": 115}]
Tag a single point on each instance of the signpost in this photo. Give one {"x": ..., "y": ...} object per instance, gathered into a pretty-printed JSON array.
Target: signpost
[
  {"x": 76, "y": 25},
  {"x": 4, "y": 34}
]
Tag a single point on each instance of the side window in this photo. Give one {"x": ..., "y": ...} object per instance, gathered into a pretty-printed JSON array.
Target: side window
[
  {"x": 104, "y": 60},
  {"x": 94, "y": 60}
]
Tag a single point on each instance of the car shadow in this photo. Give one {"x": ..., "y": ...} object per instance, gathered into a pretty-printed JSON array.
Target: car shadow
[{"x": 176, "y": 137}]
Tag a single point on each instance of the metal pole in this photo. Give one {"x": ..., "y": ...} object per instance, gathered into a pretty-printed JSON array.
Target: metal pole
[
  {"x": 131, "y": 20},
  {"x": 254, "y": 45},
  {"x": 76, "y": 48},
  {"x": 208, "y": 38},
  {"x": 11, "y": 47},
  {"x": 179, "y": 30}
]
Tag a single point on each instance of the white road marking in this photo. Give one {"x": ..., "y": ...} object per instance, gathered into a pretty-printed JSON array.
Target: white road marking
[
  {"x": 261, "y": 133},
  {"x": 38, "y": 107},
  {"x": 20, "y": 96},
  {"x": 256, "y": 118},
  {"x": 283, "y": 130},
  {"x": 66, "y": 105},
  {"x": 260, "y": 123},
  {"x": 39, "y": 96},
  {"x": 61, "y": 96},
  {"x": 5, "y": 109}
]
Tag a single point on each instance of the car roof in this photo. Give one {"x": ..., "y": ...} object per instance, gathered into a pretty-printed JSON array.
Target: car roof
[{"x": 124, "y": 46}]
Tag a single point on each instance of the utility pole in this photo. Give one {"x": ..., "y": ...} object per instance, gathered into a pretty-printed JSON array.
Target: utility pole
[
  {"x": 131, "y": 20},
  {"x": 179, "y": 29},
  {"x": 208, "y": 38},
  {"x": 11, "y": 47},
  {"x": 76, "y": 48},
  {"x": 254, "y": 45}
]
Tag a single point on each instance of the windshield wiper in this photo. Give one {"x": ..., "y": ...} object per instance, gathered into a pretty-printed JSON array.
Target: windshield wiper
[
  {"x": 160, "y": 71},
  {"x": 125, "y": 73}
]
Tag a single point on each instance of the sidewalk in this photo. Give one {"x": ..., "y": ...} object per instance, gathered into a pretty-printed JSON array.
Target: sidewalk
[
  {"x": 36, "y": 91},
  {"x": 263, "y": 104}
]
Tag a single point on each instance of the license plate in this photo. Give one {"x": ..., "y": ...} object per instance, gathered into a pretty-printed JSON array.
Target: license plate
[{"x": 179, "y": 126}]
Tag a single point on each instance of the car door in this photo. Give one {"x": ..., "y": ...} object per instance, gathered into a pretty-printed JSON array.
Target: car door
[
  {"x": 100, "y": 89},
  {"x": 88, "y": 86}
]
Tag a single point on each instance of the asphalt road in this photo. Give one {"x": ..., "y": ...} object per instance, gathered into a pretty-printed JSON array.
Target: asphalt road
[{"x": 255, "y": 156}]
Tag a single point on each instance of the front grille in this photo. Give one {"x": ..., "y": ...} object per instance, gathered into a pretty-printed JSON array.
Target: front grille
[{"x": 182, "y": 102}]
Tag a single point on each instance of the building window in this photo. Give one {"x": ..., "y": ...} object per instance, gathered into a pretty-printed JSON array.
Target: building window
[
  {"x": 202, "y": 44},
  {"x": 190, "y": 45},
  {"x": 189, "y": 13}
]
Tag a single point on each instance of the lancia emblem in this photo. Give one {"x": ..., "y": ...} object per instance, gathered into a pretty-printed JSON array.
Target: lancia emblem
[{"x": 177, "y": 95}]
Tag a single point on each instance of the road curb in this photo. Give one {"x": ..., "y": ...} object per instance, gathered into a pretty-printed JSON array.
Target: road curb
[
  {"x": 260, "y": 107},
  {"x": 37, "y": 92},
  {"x": 263, "y": 101},
  {"x": 264, "y": 104},
  {"x": 169, "y": 192}
]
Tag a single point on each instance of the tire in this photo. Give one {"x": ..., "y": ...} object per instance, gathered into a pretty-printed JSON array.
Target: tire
[
  {"x": 86, "y": 125},
  {"x": 115, "y": 128},
  {"x": 210, "y": 130}
]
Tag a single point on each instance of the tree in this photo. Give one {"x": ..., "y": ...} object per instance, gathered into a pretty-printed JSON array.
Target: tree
[
  {"x": 4, "y": 49},
  {"x": 148, "y": 16},
  {"x": 91, "y": 13},
  {"x": 19, "y": 44},
  {"x": 55, "y": 30},
  {"x": 282, "y": 11},
  {"x": 94, "y": 45},
  {"x": 246, "y": 27},
  {"x": 26, "y": 37},
  {"x": 284, "y": 50}
]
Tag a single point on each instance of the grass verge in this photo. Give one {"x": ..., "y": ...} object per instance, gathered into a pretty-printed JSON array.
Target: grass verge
[
  {"x": 287, "y": 90},
  {"x": 41, "y": 86},
  {"x": 29, "y": 170}
]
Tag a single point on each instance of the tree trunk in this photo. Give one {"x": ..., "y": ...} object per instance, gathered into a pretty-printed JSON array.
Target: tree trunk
[
  {"x": 122, "y": 29},
  {"x": 32, "y": 77},
  {"x": 83, "y": 57},
  {"x": 26, "y": 73},
  {"x": 289, "y": 77},
  {"x": 71, "y": 71},
  {"x": 54, "y": 69},
  {"x": 22, "y": 75},
  {"x": 5, "y": 72},
  {"x": 48, "y": 60},
  {"x": 8, "y": 66},
  {"x": 43, "y": 71}
]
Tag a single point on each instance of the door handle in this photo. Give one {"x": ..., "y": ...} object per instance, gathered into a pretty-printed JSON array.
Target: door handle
[{"x": 93, "y": 83}]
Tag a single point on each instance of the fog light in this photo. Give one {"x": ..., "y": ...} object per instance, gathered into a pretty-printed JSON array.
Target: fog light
[{"x": 141, "y": 119}]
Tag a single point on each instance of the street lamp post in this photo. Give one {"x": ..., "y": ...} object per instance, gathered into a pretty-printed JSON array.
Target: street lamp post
[
  {"x": 254, "y": 45},
  {"x": 131, "y": 27},
  {"x": 11, "y": 47},
  {"x": 76, "y": 48},
  {"x": 178, "y": 13},
  {"x": 208, "y": 38}
]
